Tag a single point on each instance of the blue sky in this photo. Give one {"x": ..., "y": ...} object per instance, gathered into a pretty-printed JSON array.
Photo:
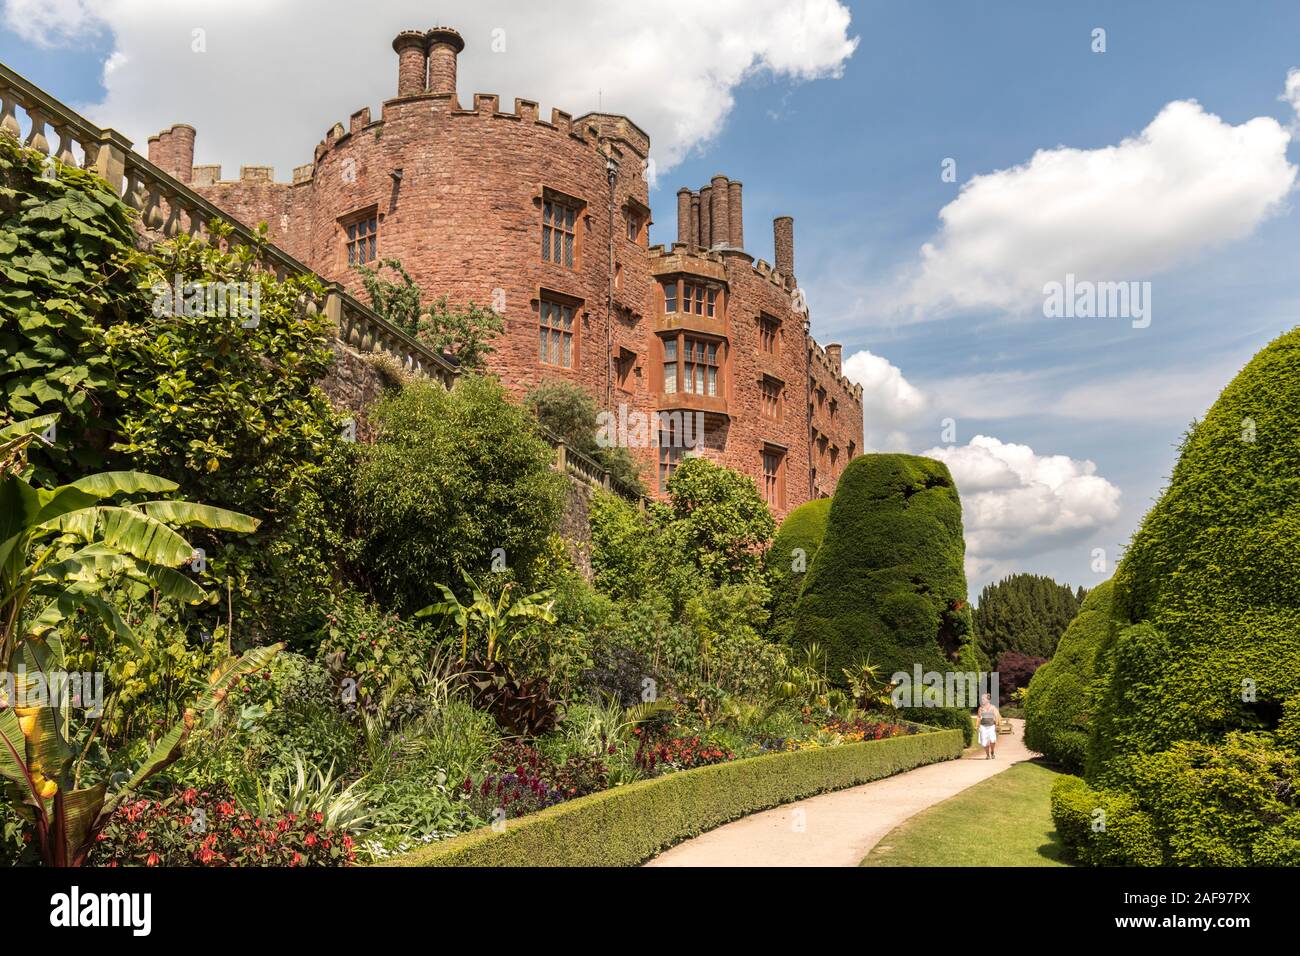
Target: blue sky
[{"x": 850, "y": 140}]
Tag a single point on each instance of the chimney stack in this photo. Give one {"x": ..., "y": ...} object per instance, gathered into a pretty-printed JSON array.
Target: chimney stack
[
  {"x": 736, "y": 231},
  {"x": 706, "y": 217},
  {"x": 783, "y": 240},
  {"x": 684, "y": 215},
  {"x": 695, "y": 221},
  {"x": 411, "y": 47},
  {"x": 833, "y": 352},
  {"x": 172, "y": 151},
  {"x": 721, "y": 213},
  {"x": 444, "y": 45}
]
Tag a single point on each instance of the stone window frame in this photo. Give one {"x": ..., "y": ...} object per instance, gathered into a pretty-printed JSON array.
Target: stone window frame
[
  {"x": 769, "y": 334},
  {"x": 772, "y": 466},
  {"x": 711, "y": 300},
  {"x": 636, "y": 218},
  {"x": 771, "y": 390},
  {"x": 557, "y": 197},
  {"x": 562, "y": 300},
  {"x": 367, "y": 214},
  {"x": 670, "y": 452}
]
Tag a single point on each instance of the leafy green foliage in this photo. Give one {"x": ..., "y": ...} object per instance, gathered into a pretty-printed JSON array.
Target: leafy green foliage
[
  {"x": 718, "y": 521},
  {"x": 463, "y": 332},
  {"x": 1026, "y": 613},
  {"x": 789, "y": 559},
  {"x": 1059, "y": 705},
  {"x": 451, "y": 478},
  {"x": 1103, "y": 828},
  {"x": 67, "y": 254},
  {"x": 888, "y": 583},
  {"x": 231, "y": 412}
]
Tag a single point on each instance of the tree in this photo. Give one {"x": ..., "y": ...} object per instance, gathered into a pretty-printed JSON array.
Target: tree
[
  {"x": 455, "y": 482},
  {"x": 463, "y": 332},
  {"x": 492, "y": 616},
  {"x": 1024, "y": 612},
  {"x": 718, "y": 520}
]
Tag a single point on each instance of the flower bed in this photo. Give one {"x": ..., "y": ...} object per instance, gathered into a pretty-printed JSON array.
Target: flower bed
[{"x": 627, "y": 825}]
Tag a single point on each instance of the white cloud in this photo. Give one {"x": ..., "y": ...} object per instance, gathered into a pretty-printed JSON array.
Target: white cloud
[
  {"x": 1017, "y": 504},
  {"x": 1291, "y": 94},
  {"x": 277, "y": 73},
  {"x": 1186, "y": 183},
  {"x": 890, "y": 403}
]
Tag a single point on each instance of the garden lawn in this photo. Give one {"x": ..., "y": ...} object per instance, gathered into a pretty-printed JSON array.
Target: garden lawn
[{"x": 1003, "y": 821}]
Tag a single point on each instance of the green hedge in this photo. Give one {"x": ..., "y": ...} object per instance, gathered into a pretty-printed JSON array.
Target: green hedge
[
  {"x": 804, "y": 527},
  {"x": 1059, "y": 704},
  {"x": 1211, "y": 581},
  {"x": 1122, "y": 835},
  {"x": 628, "y": 825},
  {"x": 888, "y": 582}
]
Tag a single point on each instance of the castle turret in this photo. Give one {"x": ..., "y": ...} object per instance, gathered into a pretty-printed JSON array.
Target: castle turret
[{"x": 445, "y": 45}]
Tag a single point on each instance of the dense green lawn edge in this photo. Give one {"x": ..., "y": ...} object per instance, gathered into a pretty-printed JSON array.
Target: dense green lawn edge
[
  {"x": 628, "y": 825},
  {"x": 1005, "y": 820}
]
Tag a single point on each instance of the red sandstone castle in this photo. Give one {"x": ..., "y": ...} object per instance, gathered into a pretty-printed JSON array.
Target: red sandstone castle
[{"x": 547, "y": 222}]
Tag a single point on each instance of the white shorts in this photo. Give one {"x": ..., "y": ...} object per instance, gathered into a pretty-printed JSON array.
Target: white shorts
[{"x": 988, "y": 735}]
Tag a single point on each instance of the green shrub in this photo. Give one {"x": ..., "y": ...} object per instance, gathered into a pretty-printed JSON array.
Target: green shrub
[
  {"x": 451, "y": 478},
  {"x": 1211, "y": 581},
  {"x": 629, "y": 824},
  {"x": 888, "y": 583},
  {"x": 1059, "y": 704},
  {"x": 1103, "y": 828},
  {"x": 789, "y": 559},
  {"x": 718, "y": 521},
  {"x": 1212, "y": 803},
  {"x": 623, "y": 551}
]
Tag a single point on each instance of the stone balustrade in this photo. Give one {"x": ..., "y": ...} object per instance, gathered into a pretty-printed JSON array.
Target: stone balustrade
[{"x": 168, "y": 207}]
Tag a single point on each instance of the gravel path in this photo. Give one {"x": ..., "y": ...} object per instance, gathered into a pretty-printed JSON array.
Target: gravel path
[{"x": 839, "y": 829}]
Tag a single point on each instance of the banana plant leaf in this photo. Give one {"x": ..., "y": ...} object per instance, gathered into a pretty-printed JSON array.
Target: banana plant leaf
[{"x": 187, "y": 514}]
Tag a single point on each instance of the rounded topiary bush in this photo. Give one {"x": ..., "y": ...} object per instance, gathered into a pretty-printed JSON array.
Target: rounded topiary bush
[
  {"x": 789, "y": 559},
  {"x": 1207, "y": 598},
  {"x": 1058, "y": 706},
  {"x": 887, "y": 583}
]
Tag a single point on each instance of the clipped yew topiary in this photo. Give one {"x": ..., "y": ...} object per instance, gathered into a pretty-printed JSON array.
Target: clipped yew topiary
[
  {"x": 1058, "y": 707},
  {"x": 1207, "y": 598},
  {"x": 789, "y": 559},
  {"x": 887, "y": 583},
  {"x": 1194, "y": 698}
]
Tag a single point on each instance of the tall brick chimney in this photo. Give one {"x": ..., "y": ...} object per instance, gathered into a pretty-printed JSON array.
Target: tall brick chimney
[
  {"x": 706, "y": 217},
  {"x": 412, "y": 48},
  {"x": 172, "y": 151},
  {"x": 695, "y": 221},
  {"x": 783, "y": 240},
  {"x": 444, "y": 45},
  {"x": 833, "y": 352},
  {"x": 736, "y": 231},
  {"x": 684, "y": 216},
  {"x": 721, "y": 213}
]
